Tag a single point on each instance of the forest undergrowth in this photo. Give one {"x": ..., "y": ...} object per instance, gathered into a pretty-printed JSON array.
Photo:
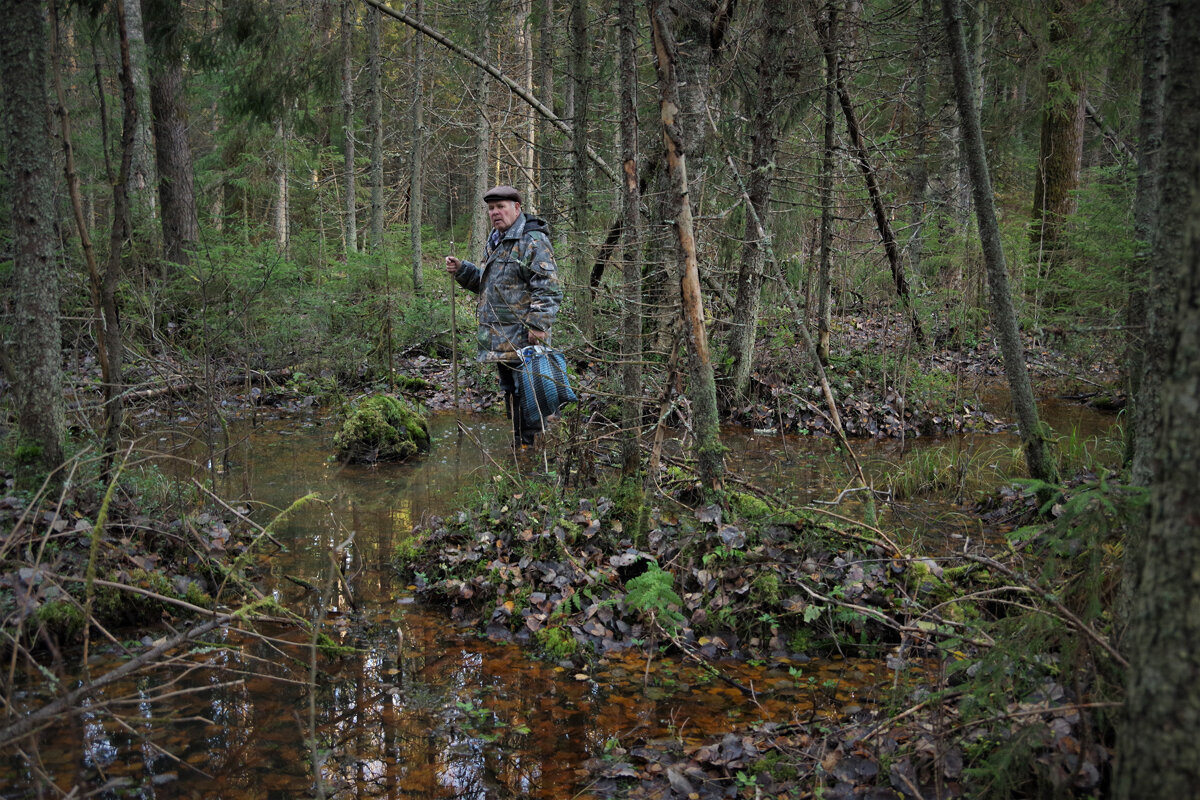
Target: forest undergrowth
[{"x": 576, "y": 565}]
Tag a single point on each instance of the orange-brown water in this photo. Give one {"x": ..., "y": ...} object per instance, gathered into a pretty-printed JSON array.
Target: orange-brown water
[{"x": 418, "y": 709}]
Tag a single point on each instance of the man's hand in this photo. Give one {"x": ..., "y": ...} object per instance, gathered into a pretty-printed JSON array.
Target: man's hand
[
  {"x": 537, "y": 337},
  {"x": 452, "y": 264}
]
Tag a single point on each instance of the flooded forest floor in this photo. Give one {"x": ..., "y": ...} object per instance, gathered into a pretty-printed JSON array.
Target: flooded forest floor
[{"x": 968, "y": 618}]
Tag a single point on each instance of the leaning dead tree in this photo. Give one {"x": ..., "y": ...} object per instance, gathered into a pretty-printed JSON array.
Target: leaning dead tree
[
  {"x": 702, "y": 390},
  {"x": 1037, "y": 449}
]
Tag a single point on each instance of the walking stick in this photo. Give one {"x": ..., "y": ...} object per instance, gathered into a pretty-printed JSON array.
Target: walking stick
[{"x": 454, "y": 332}]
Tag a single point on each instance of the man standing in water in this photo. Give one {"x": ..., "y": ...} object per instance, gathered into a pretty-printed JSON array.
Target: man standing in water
[{"x": 518, "y": 290}]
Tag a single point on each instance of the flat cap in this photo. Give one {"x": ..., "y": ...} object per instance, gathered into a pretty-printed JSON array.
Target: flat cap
[{"x": 502, "y": 193}]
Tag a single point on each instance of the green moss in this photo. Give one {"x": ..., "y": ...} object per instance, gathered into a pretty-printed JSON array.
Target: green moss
[
  {"x": 407, "y": 549},
  {"x": 747, "y": 506},
  {"x": 766, "y": 587},
  {"x": 409, "y": 383},
  {"x": 382, "y": 428},
  {"x": 331, "y": 649},
  {"x": 197, "y": 596},
  {"x": 62, "y": 617},
  {"x": 557, "y": 642}
]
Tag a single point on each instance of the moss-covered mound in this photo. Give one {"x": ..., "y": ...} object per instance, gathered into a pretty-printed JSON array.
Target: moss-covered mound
[{"x": 382, "y": 428}]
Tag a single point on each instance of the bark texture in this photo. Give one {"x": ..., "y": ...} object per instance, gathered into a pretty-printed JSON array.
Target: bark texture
[
  {"x": 1061, "y": 150},
  {"x": 35, "y": 352},
  {"x": 350, "y": 186},
  {"x": 764, "y": 137},
  {"x": 173, "y": 151},
  {"x": 1037, "y": 451},
  {"x": 1147, "y": 298},
  {"x": 483, "y": 135},
  {"x": 631, "y": 323},
  {"x": 1160, "y": 740},
  {"x": 581, "y": 77},
  {"x": 825, "y": 189},
  {"x": 416, "y": 200},
  {"x": 709, "y": 452},
  {"x": 375, "y": 123}
]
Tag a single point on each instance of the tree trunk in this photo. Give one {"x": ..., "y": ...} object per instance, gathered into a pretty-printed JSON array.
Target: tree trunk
[
  {"x": 350, "y": 224},
  {"x": 580, "y": 76},
  {"x": 918, "y": 176},
  {"x": 702, "y": 388},
  {"x": 764, "y": 136},
  {"x": 1061, "y": 157},
  {"x": 882, "y": 220},
  {"x": 416, "y": 203},
  {"x": 1037, "y": 449},
  {"x": 375, "y": 123},
  {"x": 631, "y": 322},
  {"x": 528, "y": 133},
  {"x": 142, "y": 179},
  {"x": 483, "y": 135},
  {"x": 1159, "y": 742},
  {"x": 825, "y": 191},
  {"x": 176, "y": 190},
  {"x": 281, "y": 185},
  {"x": 547, "y": 181},
  {"x": 36, "y": 356},
  {"x": 114, "y": 386},
  {"x": 1144, "y": 354}
]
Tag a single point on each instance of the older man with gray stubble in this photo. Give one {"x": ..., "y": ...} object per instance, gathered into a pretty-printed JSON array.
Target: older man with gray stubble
[{"x": 519, "y": 292}]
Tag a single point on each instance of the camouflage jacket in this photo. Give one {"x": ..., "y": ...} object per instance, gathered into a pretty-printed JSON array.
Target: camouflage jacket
[{"x": 518, "y": 289}]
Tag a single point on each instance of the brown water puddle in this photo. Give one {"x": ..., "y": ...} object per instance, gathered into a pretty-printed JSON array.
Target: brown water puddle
[{"x": 419, "y": 709}]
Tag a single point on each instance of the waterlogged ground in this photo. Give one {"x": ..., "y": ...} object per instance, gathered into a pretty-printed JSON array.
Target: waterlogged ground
[{"x": 417, "y": 708}]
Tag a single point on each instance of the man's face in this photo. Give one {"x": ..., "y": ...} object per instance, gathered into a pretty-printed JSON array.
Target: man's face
[{"x": 503, "y": 213}]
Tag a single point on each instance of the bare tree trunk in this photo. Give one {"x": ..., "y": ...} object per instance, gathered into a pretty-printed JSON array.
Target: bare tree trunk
[
  {"x": 350, "y": 224},
  {"x": 918, "y": 176},
  {"x": 416, "y": 202},
  {"x": 483, "y": 135},
  {"x": 824, "y": 275},
  {"x": 36, "y": 357},
  {"x": 764, "y": 134},
  {"x": 1037, "y": 449},
  {"x": 114, "y": 387},
  {"x": 524, "y": 37},
  {"x": 176, "y": 189},
  {"x": 1159, "y": 741},
  {"x": 1144, "y": 354},
  {"x": 702, "y": 387},
  {"x": 281, "y": 184},
  {"x": 580, "y": 69},
  {"x": 547, "y": 181},
  {"x": 882, "y": 221},
  {"x": 1061, "y": 158},
  {"x": 491, "y": 69},
  {"x": 631, "y": 323},
  {"x": 375, "y": 123},
  {"x": 143, "y": 182}
]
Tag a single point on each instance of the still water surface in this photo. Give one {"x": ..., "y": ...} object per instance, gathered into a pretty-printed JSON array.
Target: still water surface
[{"x": 420, "y": 709}]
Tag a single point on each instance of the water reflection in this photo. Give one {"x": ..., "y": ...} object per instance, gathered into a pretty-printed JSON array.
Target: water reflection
[{"x": 418, "y": 709}]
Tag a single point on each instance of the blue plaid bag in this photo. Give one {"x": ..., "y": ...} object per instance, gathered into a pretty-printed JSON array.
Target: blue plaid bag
[{"x": 543, "y": 386}]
